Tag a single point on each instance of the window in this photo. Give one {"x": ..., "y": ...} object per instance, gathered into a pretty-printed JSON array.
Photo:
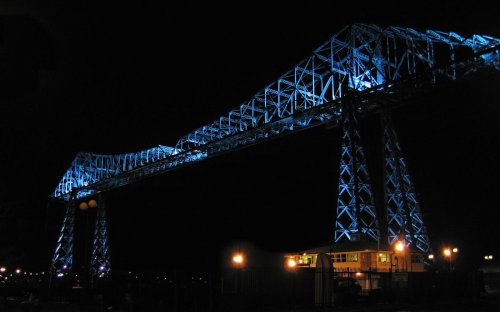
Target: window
[
  {"x": 352, "y": 257},
  {"x": 340, "y": 258},
  {"x": 384, "y": 257},
  {"x": 305, "y": 259},
  {"x": 416, "y": 259}
]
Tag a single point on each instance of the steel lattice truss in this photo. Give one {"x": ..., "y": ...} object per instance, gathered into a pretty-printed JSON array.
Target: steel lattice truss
[
  {"x": 101, "y": 264},
  {"x": 404, "y": 217},
  {"x": 62, "y": 261},
  {"x": 384, "y": 66},
  {"x": 355, "y": 207}
]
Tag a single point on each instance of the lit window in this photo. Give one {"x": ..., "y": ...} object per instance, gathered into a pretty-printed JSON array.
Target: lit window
[
  {"x": 305, "y": 259},
  {"x": 352, "y": 257},
  {"x": 383, "y": 257},
  {"x": 339, "y": 258}
]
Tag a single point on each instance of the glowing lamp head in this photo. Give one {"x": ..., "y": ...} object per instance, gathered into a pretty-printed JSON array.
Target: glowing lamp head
[
  {"x": 455, "y": 250},
  {"x": 431, "y": 256},
  {"x": 92, "y": 203},
  {"x": 2, "y": 269},
  {"x": 399, "y": 246},
  {"x": 18, "y": 271},
  {"x": 291, "y": 263},
  {"x": 447, "y": 252},
  {"x": 238, "y": 259},
  {"x": 83, "y": 206}
]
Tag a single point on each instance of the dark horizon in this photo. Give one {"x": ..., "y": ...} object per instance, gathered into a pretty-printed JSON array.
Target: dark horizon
[{"x": 148, "y": 75}]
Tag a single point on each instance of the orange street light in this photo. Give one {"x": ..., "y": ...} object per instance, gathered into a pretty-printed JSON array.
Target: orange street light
[
  {"x": 399, "y": 246},
  {"x": 83, "y": 206},
  {"x": 291, "y": 263},
  {"x": 447, "y": 252},
  {"x": 238, "y": 259}
]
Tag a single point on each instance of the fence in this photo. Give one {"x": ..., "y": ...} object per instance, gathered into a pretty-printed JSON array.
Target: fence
[{"x": 257, "y": 289}]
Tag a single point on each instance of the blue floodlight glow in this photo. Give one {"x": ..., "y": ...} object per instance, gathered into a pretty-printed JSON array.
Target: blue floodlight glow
[
  {"x": 364, "y": 55},
  {"x": 368, "y": 61},
  {"x": 404, "y": 217}
]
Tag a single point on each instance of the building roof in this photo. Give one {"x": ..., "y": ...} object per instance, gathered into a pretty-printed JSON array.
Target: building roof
[{"x": 349, "y": 246}]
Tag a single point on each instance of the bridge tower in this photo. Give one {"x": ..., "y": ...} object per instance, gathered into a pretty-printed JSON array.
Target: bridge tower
[
  {"x": 356, "y": 216},
  {"x": 100, "y": 263},
  {"x": 62, "y": 262},
  {"x": 404, "y": 218}
]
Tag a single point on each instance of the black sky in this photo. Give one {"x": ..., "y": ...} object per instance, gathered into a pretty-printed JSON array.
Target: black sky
[{"x": 113, "y": 78}]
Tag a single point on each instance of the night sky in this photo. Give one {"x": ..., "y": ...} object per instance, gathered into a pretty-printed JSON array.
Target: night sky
[{"x": 126, "y": 77}]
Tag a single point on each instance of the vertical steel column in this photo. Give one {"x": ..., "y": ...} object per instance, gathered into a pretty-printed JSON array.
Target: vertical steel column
[
  {"x": 404, "y": 217},
  {"x": 355, "y": 205},
  {"x": 101, "y": 264},
  {"x": 62, "y": 261}
]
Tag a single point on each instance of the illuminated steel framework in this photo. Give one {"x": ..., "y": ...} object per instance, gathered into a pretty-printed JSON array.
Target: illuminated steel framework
[
  {"x": 355, "y": 208},
  {"x": 404, "y": 218},
  {"x": 382, "y": 66},
  {"x": 101, "y": 264},
  {"x": 62, "y": 262}
]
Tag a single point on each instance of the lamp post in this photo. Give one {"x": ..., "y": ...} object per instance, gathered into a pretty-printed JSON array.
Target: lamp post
[
  {"x": 448, "y": 253},
  {"x": 400, "y": 249},
  {"x": 238, "y": 262}
]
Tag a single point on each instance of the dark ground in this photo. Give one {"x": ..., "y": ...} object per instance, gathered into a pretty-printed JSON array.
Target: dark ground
[{"x": 445, "y": 292}]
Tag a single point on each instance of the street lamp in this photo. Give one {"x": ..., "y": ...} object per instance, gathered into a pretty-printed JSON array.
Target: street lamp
[
  {"x": 291, "y": 263},
  {"x": 91, "y": 204},
  {"x": 238, "y": 260},
  {"x": 400, "y": 249},
  {"x": 448, "y": 252}
]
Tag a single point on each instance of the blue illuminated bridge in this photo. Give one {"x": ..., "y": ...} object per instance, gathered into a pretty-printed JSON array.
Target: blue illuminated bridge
[{"x": 363, "y": 69}]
